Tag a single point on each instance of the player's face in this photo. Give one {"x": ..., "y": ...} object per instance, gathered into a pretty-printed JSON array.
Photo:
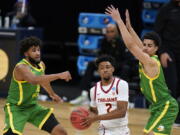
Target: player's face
[
  {"x": 149, "y": 47},
  {"x": 105, "y": 70},
  {"x": 111, "y": 33},
  {"x": 34, "y": 54}
]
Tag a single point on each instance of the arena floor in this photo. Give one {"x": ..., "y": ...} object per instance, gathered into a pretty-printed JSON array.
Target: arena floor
[{"x": 137, "y": 120}]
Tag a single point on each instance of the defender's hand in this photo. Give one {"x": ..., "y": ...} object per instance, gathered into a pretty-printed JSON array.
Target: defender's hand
[
  {"x": 56, "y": 98},
  {"x": 164, "y": 59}
]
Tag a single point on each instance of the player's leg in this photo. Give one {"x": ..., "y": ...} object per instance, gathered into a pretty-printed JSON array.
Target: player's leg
[
  {"x": 122, "y": 130},
  {"x": 150, "y": 133},
  {"x": 9, "y": 132},
  {"x": 15, "y": 120},
  {"x": 53, "y": 127},
  {"x": 162, "y": 118},
  {"x": 58, "y": 130},
  {"x": 44, "y": 119}
]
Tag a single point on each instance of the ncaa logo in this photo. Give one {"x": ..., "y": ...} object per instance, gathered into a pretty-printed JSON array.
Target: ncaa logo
[
  {"x": 113, "y": 88},
  {"x": 160, "y": 128}
]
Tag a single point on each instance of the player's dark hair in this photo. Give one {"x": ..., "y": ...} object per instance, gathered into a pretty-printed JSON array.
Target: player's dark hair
[
  {"x": 153, "y": 36},
  {"x": 104, "y": 58},
  {"x": 27, "y": 43}
]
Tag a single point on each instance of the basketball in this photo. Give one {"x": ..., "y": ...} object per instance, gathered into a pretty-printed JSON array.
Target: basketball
[{"x": 76, "y": 117}]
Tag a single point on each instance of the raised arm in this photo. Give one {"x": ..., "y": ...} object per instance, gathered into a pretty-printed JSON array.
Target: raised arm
[
  {"x": 127, "y": 37},
  {"x": 131, "y": 31}
]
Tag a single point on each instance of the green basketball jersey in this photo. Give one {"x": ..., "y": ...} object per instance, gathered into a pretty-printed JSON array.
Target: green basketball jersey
[
  {"x": 154, "y": 89},
  {"x": 21, "y": 92}
]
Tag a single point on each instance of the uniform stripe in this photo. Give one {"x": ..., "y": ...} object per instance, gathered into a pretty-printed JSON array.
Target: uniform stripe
[
  {"x": 32, "y": 66},
  {"x": 11, "y": 121},
  {"x": 20, "y": 93},
  {"x": 117, "y": 84},
  {"x": 5, "y": 130},
  {"x": 95, "y": 91},
  {"x": 14, "y": 75},
  {"x": 159, "y": 133},
  {"x": 152, "y": 91},
  {"x": 45, "y": 118},
  {"x": 151, "y": 78},
  {"x": 159, "y": 118},
  {"x": 109, "y": 87}
]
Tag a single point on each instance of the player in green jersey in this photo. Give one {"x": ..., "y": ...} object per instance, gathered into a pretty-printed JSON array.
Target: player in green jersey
[
  {"x": 21, "y": 105},
  {"x": 164, "y": 107}
]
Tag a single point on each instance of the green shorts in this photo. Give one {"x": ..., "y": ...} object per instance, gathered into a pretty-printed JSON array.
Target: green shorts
[
  {"x": 16, "y": 117},
  {"x": 162, "y": 118}
]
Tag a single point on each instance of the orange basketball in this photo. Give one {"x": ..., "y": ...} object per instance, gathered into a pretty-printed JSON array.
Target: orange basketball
[{"x": 76, "y": 117}]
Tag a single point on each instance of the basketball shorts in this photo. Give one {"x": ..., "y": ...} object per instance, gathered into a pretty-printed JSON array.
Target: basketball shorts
[
  {"x": 16, "y": 117},
  {"x": 123, "y": 130},
  {"x": 162, "y": 118}
]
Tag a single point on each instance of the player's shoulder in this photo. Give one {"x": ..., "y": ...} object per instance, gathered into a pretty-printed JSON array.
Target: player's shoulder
[
  {"x": 95, "y": 86},
  {"x": 20, "y": 66},
  {"x": 43, "y": 64},
  {"x": 121, "y": 81}
]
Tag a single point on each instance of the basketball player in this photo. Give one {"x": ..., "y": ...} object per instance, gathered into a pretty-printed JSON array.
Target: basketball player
[
  {"x": 22, "y": 105},
  {"x": 164, "y": 107},
  {"x": 109, "y": 100}
]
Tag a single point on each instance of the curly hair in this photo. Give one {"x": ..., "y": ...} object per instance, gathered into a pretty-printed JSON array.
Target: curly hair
[
  {"x": 27, "y": 43},
  {"x": 105, "y": 58},
  {"x": 153, "y": 36}
]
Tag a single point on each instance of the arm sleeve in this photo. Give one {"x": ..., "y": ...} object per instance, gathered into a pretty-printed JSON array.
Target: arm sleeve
[
  {"x": 123, "y": 91},
  {"x": 92, "y": 93}
]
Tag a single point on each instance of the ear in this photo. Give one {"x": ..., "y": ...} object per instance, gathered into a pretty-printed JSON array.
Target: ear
[{"x": 157, "y": 48}]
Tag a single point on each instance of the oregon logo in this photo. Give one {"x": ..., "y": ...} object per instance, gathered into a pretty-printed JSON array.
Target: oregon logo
[{"x": 4, "y": 64}]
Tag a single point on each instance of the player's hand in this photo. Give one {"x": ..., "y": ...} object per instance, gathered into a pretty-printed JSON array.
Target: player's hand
[
  {"x": 65, "y": 76},
  {"x": 56, "y": 98},
  {"x": 128, "y": 21},
  {"x": 113, "y": 12},
  {"x": 164, "y": 59},
  {"x": 88, "y": 121}
]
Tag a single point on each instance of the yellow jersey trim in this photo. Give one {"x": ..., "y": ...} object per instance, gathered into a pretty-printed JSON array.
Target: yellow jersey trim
[
  {"x": 152, "y": 78},
  {"x": 146, "y": 131},
  {"x": 14, "y": 75},
  {"x": 159, "y": 133},
  {"x": 20, "y": 93},
  {"x": 5, "y": 130},
  {"x": 45, "y": 118},
  {"x": 159, "y": 118},
  {"x": 152, "y": 91},
  {"x": 33, "y": 66},
  {"x": 11, "y": 120}
]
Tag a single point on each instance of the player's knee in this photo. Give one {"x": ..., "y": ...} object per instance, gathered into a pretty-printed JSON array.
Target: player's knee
[
  {"x": 9, "y": 132},
  {"x": 58, "y": 130}
]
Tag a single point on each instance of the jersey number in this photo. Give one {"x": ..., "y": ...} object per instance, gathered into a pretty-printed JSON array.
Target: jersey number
[{"x": 109, "y": 106}]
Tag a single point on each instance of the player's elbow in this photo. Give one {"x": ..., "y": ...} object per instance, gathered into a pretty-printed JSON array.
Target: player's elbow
[
  {"x": 122, "y": 113},
  {"x": 32, "y": 80}
]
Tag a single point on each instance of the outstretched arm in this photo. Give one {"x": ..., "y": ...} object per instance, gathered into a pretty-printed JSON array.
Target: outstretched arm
[
  {"x": 127, "y": 37},
  {"x": 23, "y": 73},
  {"x": 131, "y": 31}
]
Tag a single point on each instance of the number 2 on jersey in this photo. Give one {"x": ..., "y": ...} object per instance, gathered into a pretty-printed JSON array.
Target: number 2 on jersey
[{"x": 109, "y": 106}]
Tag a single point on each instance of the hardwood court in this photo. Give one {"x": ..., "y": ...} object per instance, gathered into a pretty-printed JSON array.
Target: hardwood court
[{"x": 137, "y": 120}]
